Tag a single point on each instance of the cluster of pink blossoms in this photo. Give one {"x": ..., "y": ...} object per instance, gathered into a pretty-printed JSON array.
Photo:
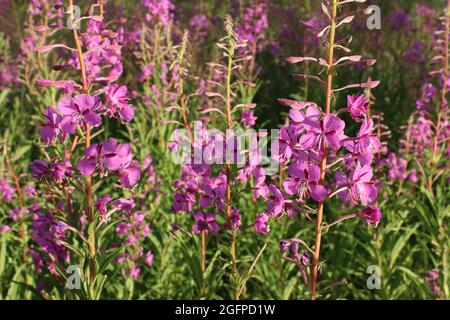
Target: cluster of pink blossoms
[
  {"x": 428, "y": 130},
  {"x": 133, "y": 232},
  {"x": 20, "y": 206},
  {"x": 158, "y": 11},
  {"x": 156, "y": 76},
  {"x": 398, "y": 168},
  {"x": 102, "y": 66},
  {"x": 432, "y": 281},
  {"x": 83, "y": 107},
  {"x": 6, "y": 190},
  {"x": 303, "y": 142},
  {"x": 49, "y": 234},
  {"x": 199, "y": 26},
  {"x": 200, "y": 188},
  {"x": 253, "y": 27}
]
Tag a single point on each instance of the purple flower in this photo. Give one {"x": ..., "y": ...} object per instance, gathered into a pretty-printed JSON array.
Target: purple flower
[
  {"x": 123, "y": 228},
  {"x": 262, "y": 224},
  {"x": 358, "y": 185},
  {"x": 129, "y": 174},
  {"x": 47, "y": 233},
  {"x": 81, "y": 108},
  {"x": 135, "y": 272},
  {"x": 412, "y": 177},
  {"x": 432, "y": 281},
  {"x": 149, "y": 259},
  {"x": 322, "y": 133},
  {"x": 30, "y": 191},
  {"x": 401, "y": 20},
  {"x": 39, "y": 167},
  {"x": 215, "y": 190},
  {"x": 365, "y": 145},
  {"x": 118, "y": 103},
  {"x": 429, "y": 91},
  {"x": 397, "y": 167},
  {"x": 59, "y": 228},
  {"x": 248, "y": 118},
  {"x": 276, "y": 201},
  {"x": 205, "y": 222},
  {"x": 4, "y": 228},
  {"x": 126, "y": 205},
  {"x": 133, "y": 232},
  {"x": 6, "y": 190},
  {"x": 57, "y": 171},
  {"x": 52, "y": 128},
  {"x": 146, "y": 72},
  {"x": 146, "y": 230},
  {"x": 253, "y": 27},
  {"x": 357, "y": 107},
  {"x": 287, "y": 141},
  {"x": 108, "y": 153},
  {"x": 15, "y": 214},
  {"x": 61, "y": 170},
  {"x": 159, "y": 11},
  {"x": 235, "y": 220},
  {"x": 102, "y": 203},
  {"x": 183, "y": 202},
  {"x": 415, "y": 53},
  {"x": 37, "y": 260},
  {"x": 260, "y": 186},
  {"x": 200, "y": 23},
  {"x": 304, "y": 181},
  {"x": 371, "y": 216},
  {"x": 301, "y": 259}
]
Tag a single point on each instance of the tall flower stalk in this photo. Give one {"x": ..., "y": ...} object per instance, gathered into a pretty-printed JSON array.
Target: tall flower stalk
[
  {"x": 445, "y": 76},
  {"x": 323, "y": 164},
  {"x": 79, "y": 112},
  {"x": 322, "y": 161},
  {"x": 231, "y": 46},
  {"x": 426, "y": 150},
  {"x": 211, "y": 179},
  {"x": 87, "y": 135}
]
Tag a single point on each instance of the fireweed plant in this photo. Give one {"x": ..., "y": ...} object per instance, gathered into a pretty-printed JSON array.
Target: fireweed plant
[
  {"x": 151, "y": 42},
  {"x": 322, "y": 162},
  {"x": 45, "y": 233},
  {"x": 210, "y": 178},
  {"x": 70, "y": 228},
  {"x": 422, "y": 165}
]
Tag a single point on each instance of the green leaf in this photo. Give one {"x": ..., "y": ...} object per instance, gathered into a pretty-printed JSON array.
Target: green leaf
[
  {"x": 3, "y": 95},
  {"x": 20, "y": 152},
  {"x": 2, "y": 255},
  {"x": 400, "y": 244},
  {"x": 13, "y": 289}
]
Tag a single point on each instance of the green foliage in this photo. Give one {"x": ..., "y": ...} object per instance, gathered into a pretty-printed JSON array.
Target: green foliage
[{"x": 412, "y": 239}]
